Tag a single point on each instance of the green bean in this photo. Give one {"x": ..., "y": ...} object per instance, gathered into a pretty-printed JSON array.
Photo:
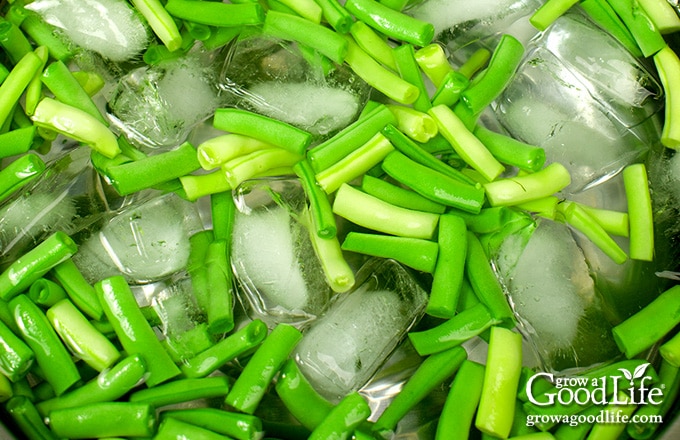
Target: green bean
[
  {"x": 182, "y": 390},
  {"x": 229, "y": 348},
  {"x": 434, "y": 370},
  {"x": 511, "y": 151},
  {"x": 614, "y": 222},
  {"x": 174, "y": 429},
  {"x": 300, "y": 397},
  {"x": 16, "y": 82},
  {"x": 609, "y": 431},
  {"x": 254, "y": 164},
  {"x": 50, "y": 354},
  {"x": 485, "y": 283},
  {"x": 17, "y": 141},
  {"x": 252, "y": 383},
  {"x": 107, "y": 386},
  {"x": 475, "y": 62},
  {"x": 646, "y": 327},
  {"x": 662, "y": 14},
  {"x": 16, "y": 358},
  {"x": 549, "y": 12},
  {"x": 220, "y": 307},
  {"x": 26, "y": 417},
  {"x": 66, "y": 88},
  {"x": 132, "y": 329},
  {"x": 398, "y": 196},
  {"x": 468, "y": 147},
  {"x": 221, "y": 36},
  {"x": 196, "y": 268},
  {"x": 160, "y": 22},
  {"x": 373, "y": 213},
  {"x": 13, "y": 41},
  {"x": 602, "y": 13},
  {"x": 449, "y": 269},
  {"x": 323, "y": 220},
  {"x": 104, "y": 419},
  {"x": 639, "y": 212},
  {"x": 645, "y": 34},
  {"x": 215, "y": 151},
  {"x": 153, "y": 170},
  {"x": 311, "y": 34},
  {"x": 6, "y": 391},
  {"x": 18, "y": 173},
  {"x": 77, "y": 124},
  {"x": 336, "y": 15},
  {"x": 394, "y": 24},
  {"x": 433, "y": 62},
  {"x": 417, "y": 125},
  {"x": 35, "y": 263},
  {"x": 670, "y": 351},
  {"x": 461, "y": 402},
  {"x": 501, "y": 378},
  {"x": 222, "y": 211},
  {"x": 382, "y": 79},
  {"x": 417, "y": 253},
  {"x": 338, "y": 273},
  {"x": 373, "y": 44},
  {"x": 514, "y": 190},
  {"x": 78, "y": 288},
  {"x": 433, "y": 184},
  {"x": 231, "y": 424},
  {"x": 43, "y": 35},
  {"x": 355, "y": 164},
  {"x": 450, "y": 89},
  {"x": 347, "y": 415},
  {"x": 200, "y": 185},
  {"x": 405, "y": 60},
  {"x": 668, "y": 67},
  {"x": 419, "y": 154},
  {"x": 349, "y": 138}
]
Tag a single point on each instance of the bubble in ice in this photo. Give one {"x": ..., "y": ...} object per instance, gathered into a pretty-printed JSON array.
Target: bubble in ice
[{"x": 109, "y": 27}]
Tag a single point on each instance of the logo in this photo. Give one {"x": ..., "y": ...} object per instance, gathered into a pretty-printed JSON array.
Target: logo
[{"x": 628, "y": 388}]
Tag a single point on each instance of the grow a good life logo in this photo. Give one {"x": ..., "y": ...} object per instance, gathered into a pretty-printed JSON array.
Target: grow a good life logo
[{"x": 628, "y": 388}]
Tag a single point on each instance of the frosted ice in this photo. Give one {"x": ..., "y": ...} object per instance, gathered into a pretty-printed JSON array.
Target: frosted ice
[
  {"x": 319, "y": 109},
  {"x": 145, "y": 243},
  {"x": 109, "y": 27},
  {"x": 345, "y": 347}
]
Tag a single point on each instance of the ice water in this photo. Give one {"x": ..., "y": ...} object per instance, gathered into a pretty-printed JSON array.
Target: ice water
[{"x": 342, "y": 349}]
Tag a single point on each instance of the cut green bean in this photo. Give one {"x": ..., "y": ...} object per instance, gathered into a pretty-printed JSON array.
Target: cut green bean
[
  {"x": 34, "y": 89},
  {"x": 220, "y": 308},
  {"x": 549, "y": 12},
  {"x": 662, "y": 14},
  {"x": 646, "y": 327},
  {"x": 486, "y": 221},
  {"x": 160, "y": 22},
  {"x": 338, "y": 273},
  {"x": 83, "y": 340},
  {"x": 78, "y": 288},
  {"x": 182, "y": 390},
  {"x": 602, "y": 13},
  {"x": 199, "y": 185},
  {"x": 336, "y": 15},
  {"x": 13, "y": 41},
  {"x": 433, "y": 62},
  {"x": 16, "y": 358},
  {"x": 323, "y": 220},
  {"x": 355, "y": 164},
  {"x": 16, "y": 82},
  {"x": 399, "y": 196},
  {"x": 255, "y": 164},
  {"x": 373, "y": 44},
  {"x": 28, "y": 419},
  {"x": 433, "y": 184},
  {"x": 300, "y": 398},
  {"x": 511, "y": 151},
  {"x": 251, "y": 384},
  {"x": 461, "y": 402},
  {"x": 405, "y": 60},
  {"x": 377, "y": 76},
  {"x": 373, "y": 213},
  {"x": 668, "y": 66},
  {"x": 198, "y": 31},
  {"x": 343, "y": 419},
  {"x": 132, "y": 329},
  {"x": 670, "y": 350},
  {"x": 77, "y": 124},
  {"x": 501, "y": 378},
  {"x": 17, "y": 141},
  {"x": 91, "y": 82},
  {"x": 449, "y": 269},
  {"x": 229, "y": 348},
  {"x": 515, "y": 190},
  {"x": 107, "y": 386},
  {"x": 417, "y": 125},
  {"x": 639, "y": 212},
  {"x": 105, "y": 419},
  {"x": 645, "y": 34},
  {"x": 263, "y": 128},
  {"x": 485, "y": 283},
  {"x": 475, "y": 62},
  {"x": 18, "y": 173},
  {"x": 222, "y": 209},
  {"x": 468, "y": 147},
  {"x": 174, "y": 429},
  {"x": 434, "y": 370},
  {"x": 453, "y": 332},
  {"x": 153, "y": 170},
  {"x": 231, "y": 424},
  {"x": 350, "y": 138},
  {"x": 35, "y": 263},
  {"x": 311, "y": 34},
  {"x": 643, "y": 427},
  {"x": 66, "y": 88},
  {"x": 450, "y": 89},
  {"x": 43, "y": 35},
  {"x": 394, "y": 24},
  {"x": 220, "y": 149},
  {"x": 50, "y": 354},
  {"x": 416, "y": 253},
  {"x": 579, "y": 219}
]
